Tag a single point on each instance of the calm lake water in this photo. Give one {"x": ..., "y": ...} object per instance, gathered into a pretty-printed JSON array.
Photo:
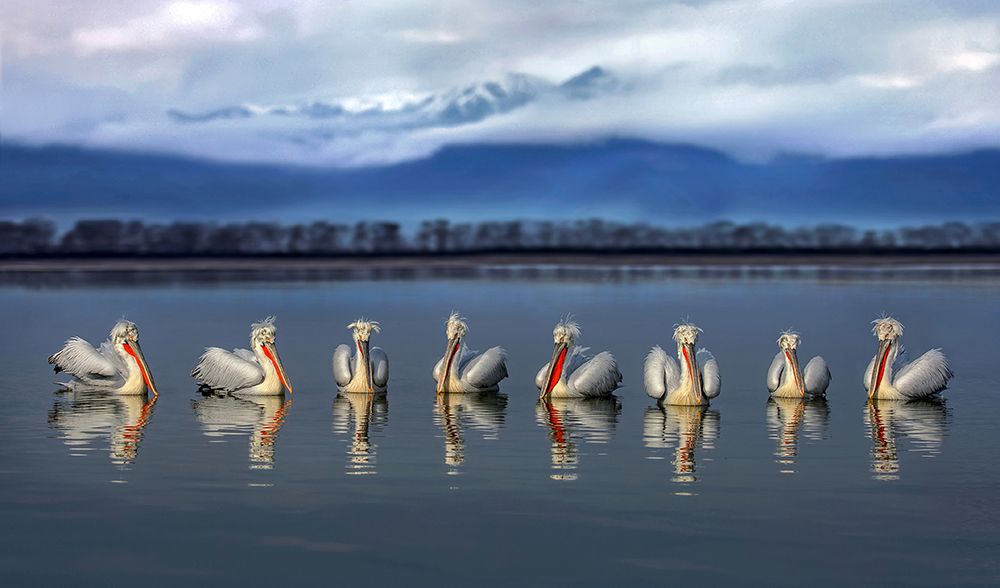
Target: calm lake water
[{"x": 490, "y": 490}]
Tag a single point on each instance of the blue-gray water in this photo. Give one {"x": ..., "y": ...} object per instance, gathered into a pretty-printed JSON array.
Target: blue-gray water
[{"x": 498, "y": 489}]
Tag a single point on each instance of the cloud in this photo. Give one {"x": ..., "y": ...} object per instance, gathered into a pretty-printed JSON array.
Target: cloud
[{"x": 753, "y": 77}]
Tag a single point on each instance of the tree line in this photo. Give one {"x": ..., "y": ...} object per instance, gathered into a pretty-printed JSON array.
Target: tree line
[{"x": 108, "y": 237}]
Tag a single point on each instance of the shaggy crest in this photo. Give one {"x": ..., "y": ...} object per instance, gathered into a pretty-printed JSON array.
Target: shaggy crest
[
  {"x": 363, "y": 328},
  {"x": 789, "y": 340},
  {"x": 886, "y": 328},
  {"x": 124, "y": 331},
  {"x": 456, "y": 326},
  {"x": 263, "y": 332},
  {"x": 567, "y": 331},
  {"x": 686, "y": 333}
]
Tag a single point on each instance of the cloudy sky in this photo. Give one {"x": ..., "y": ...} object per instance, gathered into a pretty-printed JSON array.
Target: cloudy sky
[{"x": 350, "y": 83}]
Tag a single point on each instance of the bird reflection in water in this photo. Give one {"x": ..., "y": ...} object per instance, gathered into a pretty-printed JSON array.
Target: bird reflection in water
[
  {"x": 683, "y": 429},
  {"x": 367, "y": 412},
  {"x": 570, "y": 420},
  {"x": 483, "y": 412},
  {"x": 923, "y": 423},
  {"x": 224, "y": 415},
  {"x": 81, "y": 417},
  {"x": 787, "y": 417}
]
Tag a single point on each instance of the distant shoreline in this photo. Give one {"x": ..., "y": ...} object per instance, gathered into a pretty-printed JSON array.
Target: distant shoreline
[{"x": 456, "y": 261}]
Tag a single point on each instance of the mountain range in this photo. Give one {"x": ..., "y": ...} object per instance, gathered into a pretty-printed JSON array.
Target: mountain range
[{"x": 617, "y": 179}]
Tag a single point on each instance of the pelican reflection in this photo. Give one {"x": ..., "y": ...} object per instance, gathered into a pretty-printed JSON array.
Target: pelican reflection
[
  {"x": 570, "y": 420},
  {"x": 358, "y": 414},
  {"x": 787, "y": 417},
  {"x": 85, "y": 416},
  {"x": 923, "y": 423},
  {"x": 260, "y": 417},
  {"x": 482, "y": 412},
  {"x": 683, "y": 429}
]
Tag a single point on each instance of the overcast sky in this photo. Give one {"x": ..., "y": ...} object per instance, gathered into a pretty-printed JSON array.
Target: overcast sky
[{"x": 751, "y": 77}]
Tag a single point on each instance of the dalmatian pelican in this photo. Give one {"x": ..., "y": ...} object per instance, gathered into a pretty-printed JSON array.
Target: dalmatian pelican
[
  {"x": 786, "y": 379},
  {"x": 118, "y": 365},
  {"x": 891, "y": 377},
  {"x": 571, "y": 373},
  {"x": 694, "y": 383},
  {"x": 242, "y": 371},
  {"x": 369, "y": 370},
  {"x": 461, "y": 370}
]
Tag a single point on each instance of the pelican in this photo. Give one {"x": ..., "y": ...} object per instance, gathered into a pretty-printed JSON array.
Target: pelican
[
  {"x": 891, "y": 377},
  {"x": 694, "y": 385},
  {"x": 461, "y": 370},
  {"x": 573, "y": 374},
  {"x": 785, "y": 379},
  {"x": 118, "y": 365},
  {"x": 245, "y": 372},
  {"x": 369, "y": 372}
]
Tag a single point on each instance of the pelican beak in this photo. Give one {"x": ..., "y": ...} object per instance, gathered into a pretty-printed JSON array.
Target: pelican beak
[
  {"x": 272, "y": 354},
  {"x": 556, "y": 366},
  {"x": 691, "y": 364},
  {"x": 363, "y": 349},
  {"x": 133, "y": 349},
  {"x": 878, "y": 370},
  {"x": 793, "y": 360},
  {"x": 449, "y": 356}
]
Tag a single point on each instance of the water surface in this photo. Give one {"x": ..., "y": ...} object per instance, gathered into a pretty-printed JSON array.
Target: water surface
[{"x": 497, "y": 489}]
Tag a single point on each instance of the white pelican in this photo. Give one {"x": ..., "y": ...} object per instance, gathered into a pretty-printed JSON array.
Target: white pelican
[
  {"x": 786, "y": 379},
  {"x": 461, "y": 370},
  {"x": 694, "y": 384},
  {"x": 117, "y": 366},
  {"x": 369, "y": 372},
  {"x": 684, "y": 429},
  {"x": 573, "y": 374},
  {"x": 245, "y": 372},
  {"x": 891, "y": 377}
]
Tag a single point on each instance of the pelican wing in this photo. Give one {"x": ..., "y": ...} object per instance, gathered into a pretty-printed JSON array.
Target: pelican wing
[
  {"x": 924, "y": 376},
  {"x": 342, "y": 365},
  {"x": 486, "y": 369},
  {"x": 437, "y": 369},
  {"x": 597, "y": 376},
  {"x": 227, "y": 370},
  {"x": 380, "y": 366},
  {"x": 660, "y": 372},
  {"x": 868, "y": 373},
  {"x": 774, "y": 372},
  {"x": 711, "y": 379},
  {"x": 817, "y": 376},
  {"x": 79, "y": 358}
]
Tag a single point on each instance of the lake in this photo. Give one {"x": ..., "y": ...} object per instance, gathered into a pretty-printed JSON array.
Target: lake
[{"x": 322, "y": 488}]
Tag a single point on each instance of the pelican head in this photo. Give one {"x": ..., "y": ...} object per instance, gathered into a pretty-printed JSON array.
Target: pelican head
[
  {"x": 564, "y": 335},
  {"x": 788, "y": 342},
  {"x": 262, "y": 338},
  {"x": 362, "y": 330},
  {"x": 125, "y": 339},
  {"x": 455, "y": 329},
  {"x": 686, "y": 336},
  {"x": 888, "y": 331}
]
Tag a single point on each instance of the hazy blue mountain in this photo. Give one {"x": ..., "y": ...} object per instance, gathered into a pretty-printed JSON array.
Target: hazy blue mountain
[{"x": 616, "y": 179}]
